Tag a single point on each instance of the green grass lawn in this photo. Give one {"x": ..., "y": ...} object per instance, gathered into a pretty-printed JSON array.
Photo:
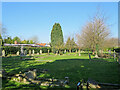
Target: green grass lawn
[{"x": 59, "y": 66}]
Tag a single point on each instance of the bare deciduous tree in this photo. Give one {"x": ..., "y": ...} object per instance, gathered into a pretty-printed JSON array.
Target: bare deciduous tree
[{"x": 94, "y": 33}]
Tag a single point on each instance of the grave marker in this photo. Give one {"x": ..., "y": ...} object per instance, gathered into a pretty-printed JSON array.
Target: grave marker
[
  {"x": 18, "y": 53},
  {"x": 40, "y": 51},
  {"x": 29, "y": 52},
  {"x": 48, "y": 52},
  {"x": 3, "y": 53},
  {"x": 33, "y": 52}
]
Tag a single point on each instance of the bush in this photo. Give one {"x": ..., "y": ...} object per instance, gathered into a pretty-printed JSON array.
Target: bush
[
  {"x": 10, "y": 49},
  {"x": 13, "y": 50}
]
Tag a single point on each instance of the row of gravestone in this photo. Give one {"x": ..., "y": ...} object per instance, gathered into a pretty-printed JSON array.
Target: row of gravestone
[{"x": 24, "y": 52}]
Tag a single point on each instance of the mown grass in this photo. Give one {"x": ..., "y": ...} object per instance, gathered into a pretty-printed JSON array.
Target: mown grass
[{"x": 71, "y": 65}]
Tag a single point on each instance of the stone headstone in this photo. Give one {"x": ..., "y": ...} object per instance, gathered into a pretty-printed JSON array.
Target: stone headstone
[
  {"x": 66, "y": 80},
  {"x": 40, "y": 51},
  {"x": 29, "y": 52},
  {"x": 33, "y": 52},
  {"x": 3, "y": 53},
  {"x": 22, "y": 51},
  {"x": 56, "y": 52},
  {"x": 76, "y": 51},
  {"x": 25, "y": 52},
  {"x": 114, "y": 55},
  {"x": 31, "y": 74},
  {"x": 18, "y": 53},
  {"x": 110, "y": 52},
  {"x": 65, "y": 51},
  {"x": 37, "y": 53},
  {"x": 48, "y": 51}
]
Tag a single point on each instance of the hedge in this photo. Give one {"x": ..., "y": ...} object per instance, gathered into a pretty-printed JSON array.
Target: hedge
[{"x": 13, "y": 50}]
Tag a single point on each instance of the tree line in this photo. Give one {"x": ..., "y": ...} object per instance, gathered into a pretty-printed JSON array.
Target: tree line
[{"x": 94, "y": 36}]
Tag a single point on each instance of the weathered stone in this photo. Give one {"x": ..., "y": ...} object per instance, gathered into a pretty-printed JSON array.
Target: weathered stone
[
  {"x": 3, "y": 53},
  {"x": 22, "y": 51},
  {"x": 25, "y": 52},
  {"x": 31, "y": 74},
  {"x": 48, "y": 52},
  {"x": 40, "y": 51},
  {"x": 18, "y": 53},
  {"x": 37, "y": 53},
  {"x": 29, "y": 52},
  {"x": 76, "y": 51},
  {"x": 65, "y": 51},
  {"x": 33, "y": 52}
]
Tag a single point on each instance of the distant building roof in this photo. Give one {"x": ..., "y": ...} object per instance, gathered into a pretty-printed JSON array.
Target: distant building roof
[{"x": 41, "y": 44}]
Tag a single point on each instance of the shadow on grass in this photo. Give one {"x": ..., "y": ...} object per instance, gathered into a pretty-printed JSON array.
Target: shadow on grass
[{"x": 75, "y": 69}]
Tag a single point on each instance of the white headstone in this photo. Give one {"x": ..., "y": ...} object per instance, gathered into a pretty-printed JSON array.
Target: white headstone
[
  {"x": 22, "y": 52},
  {"x": 65, "y": 51},
  {"x": 3, "y": 53},
  {"x": 40, "y": 51},
  {"x": 33, "y": 52},
  {"x": 18, "y": 53},
  {"x": 37, "y": 53}
]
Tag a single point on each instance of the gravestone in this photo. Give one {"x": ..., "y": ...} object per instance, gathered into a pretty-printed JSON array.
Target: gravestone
[
  {"x": 18, "y": 53},
  {"x": 65, "y": 51},
  {"x": 25, "y": 52},
  {"x": 79, "y": 53},
  {"x": 29, "y": 52},
  {"x": 66, "y": 80},
  {"x": 48, "y": 52},
  {"x": 56, "y": 52},
  {"x": 33, "y": 52},
  {"x": 3, "y": 53},
  {"x": 37, "y": 53},
  {"x": 76, "y": 51},
  {"x": 96, "y": 56},
  {"x": 110, "y": 52},
  {"x": 114, "y": 55},
  {"x": 31, "y": 74},
  {"x": 22, "y": 51},
  {"x": 40, "y": 51}
]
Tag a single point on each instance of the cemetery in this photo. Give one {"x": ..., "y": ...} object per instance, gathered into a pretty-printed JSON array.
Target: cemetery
[
  {"x": 59, "y": 71},
  {"x": 59, "y": 46}
]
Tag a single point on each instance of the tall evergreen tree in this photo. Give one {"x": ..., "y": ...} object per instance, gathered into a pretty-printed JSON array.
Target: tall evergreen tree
[{"x": 56, "y": 37}]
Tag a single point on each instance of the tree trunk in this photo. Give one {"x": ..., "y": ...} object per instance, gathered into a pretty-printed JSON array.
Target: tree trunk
[
  {"x": 70, "y": 50},
  {"x": 79, "y": 52}
]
